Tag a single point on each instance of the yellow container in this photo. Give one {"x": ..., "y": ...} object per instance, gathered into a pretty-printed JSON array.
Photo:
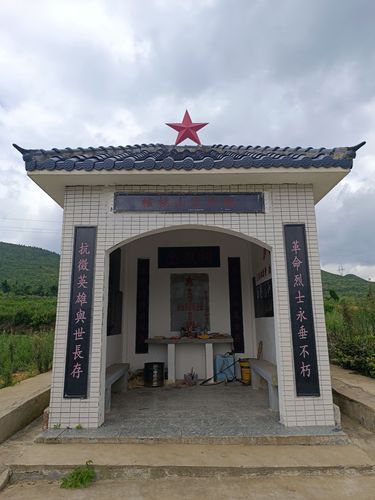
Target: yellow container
[{"x": 245, "y": 371}]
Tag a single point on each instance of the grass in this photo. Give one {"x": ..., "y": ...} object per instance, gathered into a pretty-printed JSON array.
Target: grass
[
  {"x": 26, "y": 312},
  {"x": 26, "y": 353}
]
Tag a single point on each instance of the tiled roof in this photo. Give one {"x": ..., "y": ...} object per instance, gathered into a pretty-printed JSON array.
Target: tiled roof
[{"x": 162, "y": 157}]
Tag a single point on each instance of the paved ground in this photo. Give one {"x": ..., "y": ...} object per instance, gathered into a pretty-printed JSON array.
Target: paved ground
[
  {"x": 233, "y": 412},
  {"x": 259, "y": 488},
  {"x": 22, "y": 450},
  {"x": 293, "y": 472},
  {"x": 267, "y": 475}
]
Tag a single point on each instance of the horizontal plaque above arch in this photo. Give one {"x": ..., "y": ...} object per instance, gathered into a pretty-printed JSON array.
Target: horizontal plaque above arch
[{"x": 191, "y": 203}]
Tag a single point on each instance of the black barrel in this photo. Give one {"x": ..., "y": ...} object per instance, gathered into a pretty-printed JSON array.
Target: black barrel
[{"x": 153, "y": 374}]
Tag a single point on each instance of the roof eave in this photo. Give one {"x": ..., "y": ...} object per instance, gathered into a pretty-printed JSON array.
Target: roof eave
[{"x": 321, "y": 179}]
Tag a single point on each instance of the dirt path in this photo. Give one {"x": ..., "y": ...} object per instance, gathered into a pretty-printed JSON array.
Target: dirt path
[{"x": 288, "y": 487}]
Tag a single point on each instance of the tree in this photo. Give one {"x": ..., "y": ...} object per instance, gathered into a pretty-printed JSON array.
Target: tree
[
  {"x": 5, "y": 286},
  {"x": 333, "y": 295},
  {"x": 39, "y": 290}
]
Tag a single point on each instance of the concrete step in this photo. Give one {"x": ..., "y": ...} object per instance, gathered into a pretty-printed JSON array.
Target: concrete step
[
  {"x": 5, "y": 474},
  {"x": 304, "y": 436},
  {"x": 29, "y": 461},
  {"x": 49, "y": 472}
]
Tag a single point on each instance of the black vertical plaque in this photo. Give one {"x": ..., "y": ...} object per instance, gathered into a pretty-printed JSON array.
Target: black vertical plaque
[
  {"x": 114, "y": 315},
  {"x": 142, "y": 306},
  {"x": 301, "y": 311},
  {"x": 235, "y": 303},
  {"x": 80, "y": 311},
  {"x": 263, "y": 299}
]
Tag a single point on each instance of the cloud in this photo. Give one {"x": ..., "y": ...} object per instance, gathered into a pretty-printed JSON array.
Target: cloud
[{"x": 102, "y": 72}]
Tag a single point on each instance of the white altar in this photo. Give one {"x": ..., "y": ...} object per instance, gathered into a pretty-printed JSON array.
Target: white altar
[{"x": 171, "y": 344}]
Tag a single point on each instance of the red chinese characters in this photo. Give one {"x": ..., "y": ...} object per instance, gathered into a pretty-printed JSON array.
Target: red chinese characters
[
  {"x": 146, "y": 202},
  {"x": 79, "y": 328},
  {"x": 163, "y": 202},
  {"x": 81, "y": 298},
  {"x": 301, "y": 317},
  {"x": 301, "y": 312},
  {"x": 80, "y": 314},
  {"x": 209, "y": 202},
  {"x": 82, "y": 265}
]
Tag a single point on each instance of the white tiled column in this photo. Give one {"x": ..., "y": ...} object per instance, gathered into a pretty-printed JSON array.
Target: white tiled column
[{"x": 81, "y": 207}]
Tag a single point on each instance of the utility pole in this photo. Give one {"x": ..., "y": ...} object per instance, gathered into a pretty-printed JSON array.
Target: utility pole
[{"x": 341, "y": 270}]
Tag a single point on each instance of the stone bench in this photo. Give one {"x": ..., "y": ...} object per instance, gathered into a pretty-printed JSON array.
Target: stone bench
[
  {"x": 268, "y": 371},
  {"x": 116, "y": 379}
]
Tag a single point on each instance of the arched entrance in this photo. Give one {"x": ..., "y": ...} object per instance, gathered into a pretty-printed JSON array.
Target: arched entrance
[{"x": 229, "y": 274}]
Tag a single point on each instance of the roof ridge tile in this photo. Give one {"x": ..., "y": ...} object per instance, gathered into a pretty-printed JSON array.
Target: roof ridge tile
[{"x": 186, "y": 157}]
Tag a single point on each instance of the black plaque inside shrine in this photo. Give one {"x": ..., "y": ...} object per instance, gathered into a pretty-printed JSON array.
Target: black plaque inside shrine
[
  {"x": 114, "y": 316},
  {"x": 80, "y": 311},
  {"x": 301, "y": 311},
  {"x": 263, "y": 299},
  {"x": 142, "y": 306},
  {"x": 179, "y": 257},
  {"x": 235, "y": 303}
]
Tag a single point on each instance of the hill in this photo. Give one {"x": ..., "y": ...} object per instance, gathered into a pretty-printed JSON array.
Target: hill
[
  {"x": 28, "y": 270},
  {"x": 345, "y": 286},
  {"x": 34, "y": 271}
]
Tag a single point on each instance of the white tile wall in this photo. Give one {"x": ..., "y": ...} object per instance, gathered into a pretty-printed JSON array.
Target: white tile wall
[{"x": 285, "y": 203}]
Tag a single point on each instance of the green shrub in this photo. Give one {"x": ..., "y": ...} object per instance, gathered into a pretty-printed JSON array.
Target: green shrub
[
  {"x": 351, "y": 334},
  {"x": 22, "y": 317},
  {"x": 42, "y": 347},
  {"x": 6, "y": 370},
  {"x": 80, "y": 477},
  {"x": 356, "y": 353}
]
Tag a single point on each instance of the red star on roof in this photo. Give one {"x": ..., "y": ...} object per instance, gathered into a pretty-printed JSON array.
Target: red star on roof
[{"x": 187, "y": 129}]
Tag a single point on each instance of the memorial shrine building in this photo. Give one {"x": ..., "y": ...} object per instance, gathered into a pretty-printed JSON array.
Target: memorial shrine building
[{"x": 166, "y": 241}]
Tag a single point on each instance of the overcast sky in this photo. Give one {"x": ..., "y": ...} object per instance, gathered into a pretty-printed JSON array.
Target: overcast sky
[{"x": 269, "y": 72}]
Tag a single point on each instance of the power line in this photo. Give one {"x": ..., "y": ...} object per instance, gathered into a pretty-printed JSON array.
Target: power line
[
  {"x": 35, "y": 230},
  {"x": 32, "y": 220}
]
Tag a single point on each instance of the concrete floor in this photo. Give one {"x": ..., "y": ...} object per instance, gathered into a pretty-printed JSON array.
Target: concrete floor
[
  {"x": 183, "y": 411},
  {"x": 212, "y": 413}
]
